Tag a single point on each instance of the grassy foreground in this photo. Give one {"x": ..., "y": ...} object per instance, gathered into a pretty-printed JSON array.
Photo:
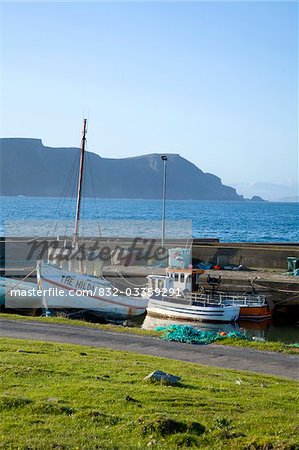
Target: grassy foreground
[
  {"x": 61, "y": 396},
  {"x": 266, "y": 346}
]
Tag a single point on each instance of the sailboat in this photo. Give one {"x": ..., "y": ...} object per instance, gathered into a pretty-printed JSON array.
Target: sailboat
[{"x": 72, "y": 283}]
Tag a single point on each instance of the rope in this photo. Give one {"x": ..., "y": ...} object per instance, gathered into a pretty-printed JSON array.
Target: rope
[
  {"x": 62, "y": 199},
  {"x": 289, "y": 299},
  {"x": 94, "y": 194},
  {"x": 278, "y": 290},
  {"x": 63, "y": 314},
  {"x": 17, "y": 268},
  {"x": 120, "y": 275},
  {"x": 275, "y": 290}
]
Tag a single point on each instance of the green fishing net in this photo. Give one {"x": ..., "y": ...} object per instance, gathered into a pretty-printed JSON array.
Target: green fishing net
[{"x": 192, "y": 335}]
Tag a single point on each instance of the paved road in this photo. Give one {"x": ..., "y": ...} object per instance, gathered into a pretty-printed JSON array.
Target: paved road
[{"x": 212, "y": 355}]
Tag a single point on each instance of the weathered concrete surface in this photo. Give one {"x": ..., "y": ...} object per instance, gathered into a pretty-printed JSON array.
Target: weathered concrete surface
[
  {"x": 14, "y": 252},
  {"x": 270, "y": 363},
  {"x": 271, "y": 256}
]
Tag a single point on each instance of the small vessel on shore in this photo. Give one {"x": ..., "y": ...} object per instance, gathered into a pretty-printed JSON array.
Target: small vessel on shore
[
  {"x": 178, "y": 295},
  {"x": 19, "y": 295},
  {"x": 67, "y": 290},
  {"x": 171, "y": 296},
  {"x": 73, "y": 283}
]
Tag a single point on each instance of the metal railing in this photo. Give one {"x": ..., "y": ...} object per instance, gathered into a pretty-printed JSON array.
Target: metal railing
[{"x": 225, "y": 299}]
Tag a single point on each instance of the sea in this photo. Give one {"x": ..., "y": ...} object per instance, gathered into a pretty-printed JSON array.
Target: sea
[{"x": 228, "y": 221}]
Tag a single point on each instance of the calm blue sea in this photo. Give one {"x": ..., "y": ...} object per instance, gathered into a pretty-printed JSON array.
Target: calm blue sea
[{"x": 228, "y": 221}]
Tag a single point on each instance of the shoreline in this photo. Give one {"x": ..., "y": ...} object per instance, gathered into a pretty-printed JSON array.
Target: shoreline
[{"x": 264, "y": 346}]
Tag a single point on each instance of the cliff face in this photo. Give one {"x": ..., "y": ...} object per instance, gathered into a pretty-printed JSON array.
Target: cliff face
[{"x": 31, "y": 169}]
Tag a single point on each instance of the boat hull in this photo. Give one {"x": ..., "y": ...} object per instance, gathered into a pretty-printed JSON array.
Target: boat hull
[
  {"x": 255, "y": 312},
  {"x": 171, "y": 309},
  {"x": 19, "y": 295},
  {"x": 64, "y": 290}
]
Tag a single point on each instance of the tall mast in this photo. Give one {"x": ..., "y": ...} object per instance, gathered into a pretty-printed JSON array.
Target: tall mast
[{"x": 79, "y": 193}]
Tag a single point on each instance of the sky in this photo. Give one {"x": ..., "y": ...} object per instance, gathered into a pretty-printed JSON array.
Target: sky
[{"x": 215, "y": 82}]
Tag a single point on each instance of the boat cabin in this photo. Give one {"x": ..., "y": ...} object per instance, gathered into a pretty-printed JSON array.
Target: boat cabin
[
  {"x": 181, "y": 280},
  {"x": 68, "y": 259}
]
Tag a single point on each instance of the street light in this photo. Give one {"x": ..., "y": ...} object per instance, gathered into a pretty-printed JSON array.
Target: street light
[{"x": 164, "y": 159}]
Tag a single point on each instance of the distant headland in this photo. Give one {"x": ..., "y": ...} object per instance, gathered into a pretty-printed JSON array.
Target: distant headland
[{"x": 31, "y": 169}]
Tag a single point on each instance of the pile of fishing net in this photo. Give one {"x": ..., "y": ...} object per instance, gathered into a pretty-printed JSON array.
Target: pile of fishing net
[{"x": 192, "y": 335}]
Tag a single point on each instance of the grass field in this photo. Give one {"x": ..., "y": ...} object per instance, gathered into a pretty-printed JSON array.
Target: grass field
[
  {"x": 266, "y": 346},
  {"x": 61, "y": 396}
]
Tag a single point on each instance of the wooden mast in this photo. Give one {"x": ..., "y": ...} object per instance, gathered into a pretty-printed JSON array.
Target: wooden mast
[{"x": 79, "y": 193}]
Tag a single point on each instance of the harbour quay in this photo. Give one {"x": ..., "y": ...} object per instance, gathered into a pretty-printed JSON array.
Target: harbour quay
[{"x": 242, "y": 266}]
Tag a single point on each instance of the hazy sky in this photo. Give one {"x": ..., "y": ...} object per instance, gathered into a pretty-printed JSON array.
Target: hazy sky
[{"x": 213, "y": 81}]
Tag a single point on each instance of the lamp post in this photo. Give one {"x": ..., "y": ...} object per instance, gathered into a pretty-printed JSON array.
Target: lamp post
[{"x": 164, "y": 159}]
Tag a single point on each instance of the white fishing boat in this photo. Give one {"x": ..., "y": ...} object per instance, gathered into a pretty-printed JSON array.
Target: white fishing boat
[
  {"x": 171, "y": 296},
  {"x": 19, "y": 295},
  {"x": 70, "y": 283}
]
